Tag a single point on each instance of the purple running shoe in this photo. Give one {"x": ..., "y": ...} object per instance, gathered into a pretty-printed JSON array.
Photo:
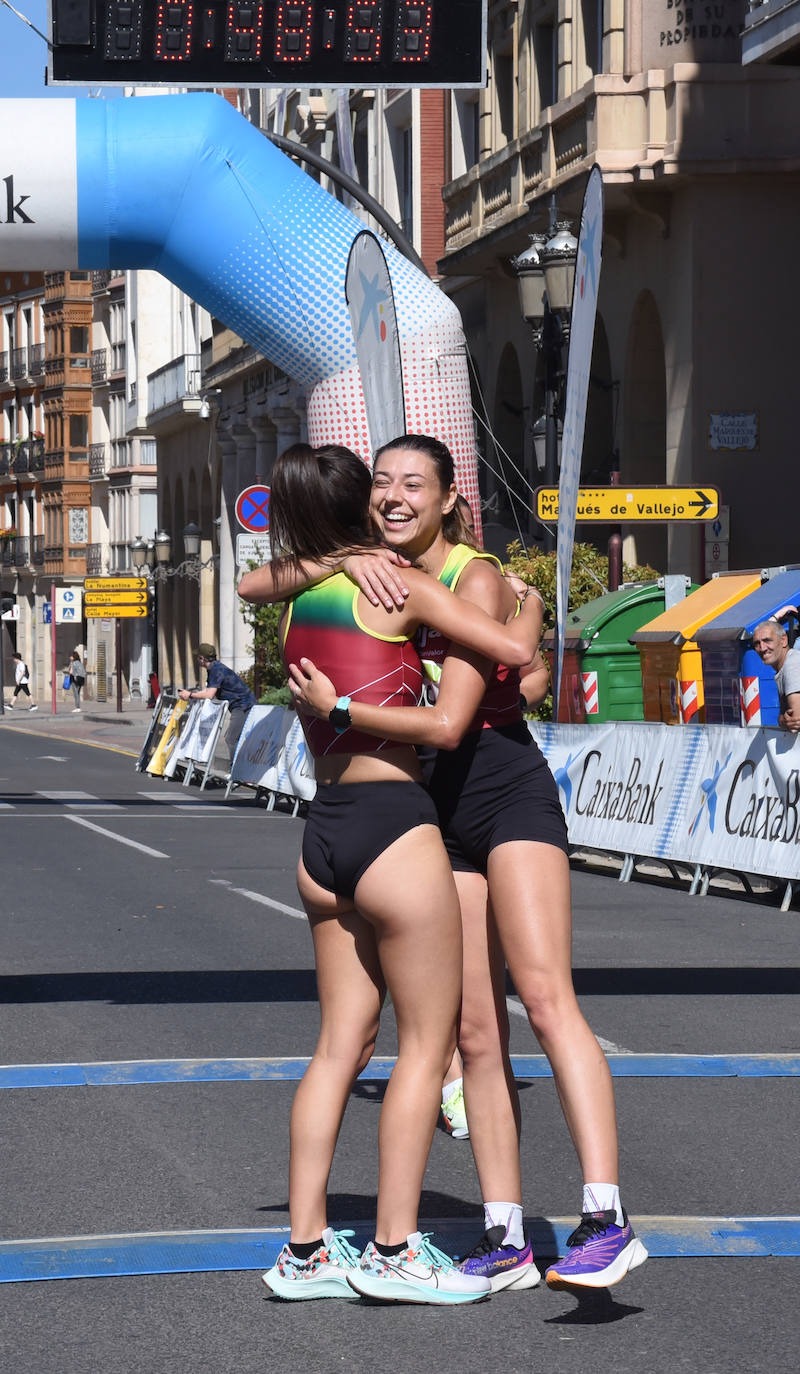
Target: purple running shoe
[
  {"x": 600, "y": 1253},
  {"x": 502, "y": 1264}
]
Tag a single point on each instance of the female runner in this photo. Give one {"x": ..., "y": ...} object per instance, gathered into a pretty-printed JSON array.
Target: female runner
[
  {"x": 376, "y": 884},
  {"x": 499, "y": 811}
]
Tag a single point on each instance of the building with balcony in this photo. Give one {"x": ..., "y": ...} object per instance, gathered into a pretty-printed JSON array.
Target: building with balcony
[
  {"x": 22, "y": 464},
  {"x": 699, "y": 162}
]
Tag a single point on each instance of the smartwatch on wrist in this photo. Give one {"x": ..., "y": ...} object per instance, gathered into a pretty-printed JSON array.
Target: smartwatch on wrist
[{"x": 339, "y": 716}]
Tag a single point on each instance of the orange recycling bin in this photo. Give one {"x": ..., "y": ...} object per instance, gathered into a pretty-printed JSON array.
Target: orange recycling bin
[{"x": 672, "y": 668}]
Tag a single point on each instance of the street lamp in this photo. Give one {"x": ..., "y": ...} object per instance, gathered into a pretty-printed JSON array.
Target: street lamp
[
  {"x": 151, "y": 558},
  {"x": 545, "y": 277}
]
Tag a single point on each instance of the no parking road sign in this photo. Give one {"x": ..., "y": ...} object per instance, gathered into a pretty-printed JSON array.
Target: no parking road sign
[{"x": 252, "y": 509}]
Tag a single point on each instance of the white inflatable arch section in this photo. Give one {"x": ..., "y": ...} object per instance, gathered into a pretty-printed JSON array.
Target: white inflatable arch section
[{"x": 185, "y": 186}]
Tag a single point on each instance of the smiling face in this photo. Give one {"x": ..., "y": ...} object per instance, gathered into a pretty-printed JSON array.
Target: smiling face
[
  {"x": 771, "y": 644},
  {"x": 408, "y": 503}
]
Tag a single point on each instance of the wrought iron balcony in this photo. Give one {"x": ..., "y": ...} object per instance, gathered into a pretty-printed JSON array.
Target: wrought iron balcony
[
  {"x": 94, "y": 558},
  {"x": 21, "y": 551},
  {"x": 3, "y": 367},
  {"x": 37, "y": 550},
  {"x": 99, "y": 366},
  {"x": 36, "y": 352},
  {"x": 6, "y": 458},
  {"x": 97, "y": 460},
  {"x": 19, "y": 363}
]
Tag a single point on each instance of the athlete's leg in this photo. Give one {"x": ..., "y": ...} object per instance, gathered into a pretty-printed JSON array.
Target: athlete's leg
[
  {"x": 530, "y": 890},
  {"x": 489, "y": 1089},
  {"x": 409, "y": 896},
  {"x": 351, "y": 991}
]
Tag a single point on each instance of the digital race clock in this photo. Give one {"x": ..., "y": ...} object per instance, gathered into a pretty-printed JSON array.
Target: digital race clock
[{"x": 268, "y": 43}]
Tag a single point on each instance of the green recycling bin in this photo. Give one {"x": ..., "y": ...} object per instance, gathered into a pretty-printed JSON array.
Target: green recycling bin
[{"x": 602, "y": 674}]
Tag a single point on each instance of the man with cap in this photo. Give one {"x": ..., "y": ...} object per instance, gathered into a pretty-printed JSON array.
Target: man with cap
[
  {"x": 771, "y": 643},
  {"x": 222, "y": 684}
]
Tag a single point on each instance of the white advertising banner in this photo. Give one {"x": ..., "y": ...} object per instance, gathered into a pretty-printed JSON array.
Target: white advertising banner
[
  {"x": 198, "y": 736},
  {"x": 581, "y": 339},
  {"x": 716, "y": 796},
  {"x": 39, "y": 195},
  {"x": 272, "y": 754},
  {"x": 370, "y": 300}
]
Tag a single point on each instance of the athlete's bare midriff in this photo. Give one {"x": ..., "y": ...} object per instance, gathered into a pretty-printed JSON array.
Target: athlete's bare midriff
[{"x": 391, "y": 765}]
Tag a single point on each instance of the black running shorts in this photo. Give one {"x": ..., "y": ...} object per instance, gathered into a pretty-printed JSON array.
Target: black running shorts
[
  {"x": 494, "y": 788},
  {"x": 351, "y": 823}
]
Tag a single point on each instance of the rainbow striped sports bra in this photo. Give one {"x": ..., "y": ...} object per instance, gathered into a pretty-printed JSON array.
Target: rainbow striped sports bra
[{"x": 323, "y": 624}]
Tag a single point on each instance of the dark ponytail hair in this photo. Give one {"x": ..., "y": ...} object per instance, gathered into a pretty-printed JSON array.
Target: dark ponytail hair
[
  {"x": 319, "y": 503},
  {"x": 454, "y": 527}
]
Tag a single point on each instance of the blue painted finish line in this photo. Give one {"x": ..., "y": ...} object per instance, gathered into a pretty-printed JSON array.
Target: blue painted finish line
[
  {"x": 188, "y": 1252},
  {"x": 125, "y": 1072}
]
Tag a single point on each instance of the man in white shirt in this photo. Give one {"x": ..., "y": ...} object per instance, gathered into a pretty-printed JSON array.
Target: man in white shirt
[
  {"x": 21, "y": 681},
  {"x": 771, "y": 643}
]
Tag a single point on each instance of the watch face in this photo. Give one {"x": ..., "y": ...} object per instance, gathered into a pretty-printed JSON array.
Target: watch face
[{"x": 339, "y": 718}]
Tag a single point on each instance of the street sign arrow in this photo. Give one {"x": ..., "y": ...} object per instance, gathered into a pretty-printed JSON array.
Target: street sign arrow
[
  {"x": 115, "y": 599},
  {"x": 115, "y": 584},
  {"x": 108, "y": 612},
  {"x": 705, "y": 503}
]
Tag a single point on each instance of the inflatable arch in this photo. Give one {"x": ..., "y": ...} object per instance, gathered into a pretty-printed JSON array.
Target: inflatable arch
[{"x": 184, "y": 185}]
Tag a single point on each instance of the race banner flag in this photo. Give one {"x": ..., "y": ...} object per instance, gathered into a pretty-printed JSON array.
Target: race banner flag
[
  {"x": 370, "y": 300},
  {"x": 581, "y": 338}
]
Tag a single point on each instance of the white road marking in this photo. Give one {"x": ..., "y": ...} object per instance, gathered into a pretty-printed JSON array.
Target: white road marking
[
  {"x": 267, "y": 901},
  {"x": 121, "y": 839}
]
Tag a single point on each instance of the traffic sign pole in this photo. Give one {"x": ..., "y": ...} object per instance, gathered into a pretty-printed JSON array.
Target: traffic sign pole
[{"x": 53, "y": 670}]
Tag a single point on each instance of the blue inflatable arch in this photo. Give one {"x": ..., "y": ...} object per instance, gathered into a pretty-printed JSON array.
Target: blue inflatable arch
[{"x": 184, "y": 185}]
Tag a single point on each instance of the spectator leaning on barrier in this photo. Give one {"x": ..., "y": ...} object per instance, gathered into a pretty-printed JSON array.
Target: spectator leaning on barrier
[
  {"x": 771, "y": 643},
  {"x": 224, "y": 685}
]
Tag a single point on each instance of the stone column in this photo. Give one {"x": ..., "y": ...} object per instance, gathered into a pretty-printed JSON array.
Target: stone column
[{"x": 266, "y": 434}]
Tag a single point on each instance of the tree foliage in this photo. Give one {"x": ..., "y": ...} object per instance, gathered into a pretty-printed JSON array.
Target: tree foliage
[
  {"x": 267, "y": 677},
  {"x": 589, "y": 580}
]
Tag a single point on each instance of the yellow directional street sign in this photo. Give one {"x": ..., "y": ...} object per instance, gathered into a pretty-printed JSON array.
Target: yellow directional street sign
[
  {"x": 629, "y": 505},
  {"x": 115, "y": 598},
  {"x": 115, "y": 584},
  {"x": 109, "y": 612}
]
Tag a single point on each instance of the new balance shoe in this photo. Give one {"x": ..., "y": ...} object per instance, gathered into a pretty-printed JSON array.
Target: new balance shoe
[
  {"x": 420, "y": 1273},
  {"x": 455, "y": 1115},
  {"x": 502, "y": 1264},
  {"x": 600, "y": 1253},
  {"x": 323, "y": 1275}
]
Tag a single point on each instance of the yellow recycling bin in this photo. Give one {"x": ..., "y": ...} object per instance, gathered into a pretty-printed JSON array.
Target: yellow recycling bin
[{"x": 672, "y": 668}]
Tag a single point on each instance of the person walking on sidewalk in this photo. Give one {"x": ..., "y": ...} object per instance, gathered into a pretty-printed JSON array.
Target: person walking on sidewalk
[
  {"x": 22, "y": 678},
  {"x": 77, "y": 676}
]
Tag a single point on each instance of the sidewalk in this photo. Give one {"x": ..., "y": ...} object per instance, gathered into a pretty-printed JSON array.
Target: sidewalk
[{"x": 98, "y": 723}]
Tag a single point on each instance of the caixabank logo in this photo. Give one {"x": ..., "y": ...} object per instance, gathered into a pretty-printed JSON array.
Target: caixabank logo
[
  {"x": 14, "y": 201},
  {"x": 708, "y": 801},
  {"x": 761, "y": 806}
]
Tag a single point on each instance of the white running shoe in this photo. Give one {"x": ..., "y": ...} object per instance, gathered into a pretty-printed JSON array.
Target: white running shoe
[
  {"x": 420, "y": 1273},
  {"x": 76, "y": 710},
  {"x": 324, "y": 1275},
  {"x": 33, "y": 708},
  {"x": 455, "y": 1113}
]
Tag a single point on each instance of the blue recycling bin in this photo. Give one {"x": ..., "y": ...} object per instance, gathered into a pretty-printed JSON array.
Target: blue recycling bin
[{"x": 739, "y": 688}]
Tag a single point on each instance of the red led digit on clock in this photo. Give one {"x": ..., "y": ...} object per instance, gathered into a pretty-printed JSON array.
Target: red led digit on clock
[
  {"x": 412, "y": 31},
  {"x": 244, "y": 31},
  {"x": 293, "y": 31},
  {"x": 363, "y": 32},
  {"x": 173, "y": 35}
]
